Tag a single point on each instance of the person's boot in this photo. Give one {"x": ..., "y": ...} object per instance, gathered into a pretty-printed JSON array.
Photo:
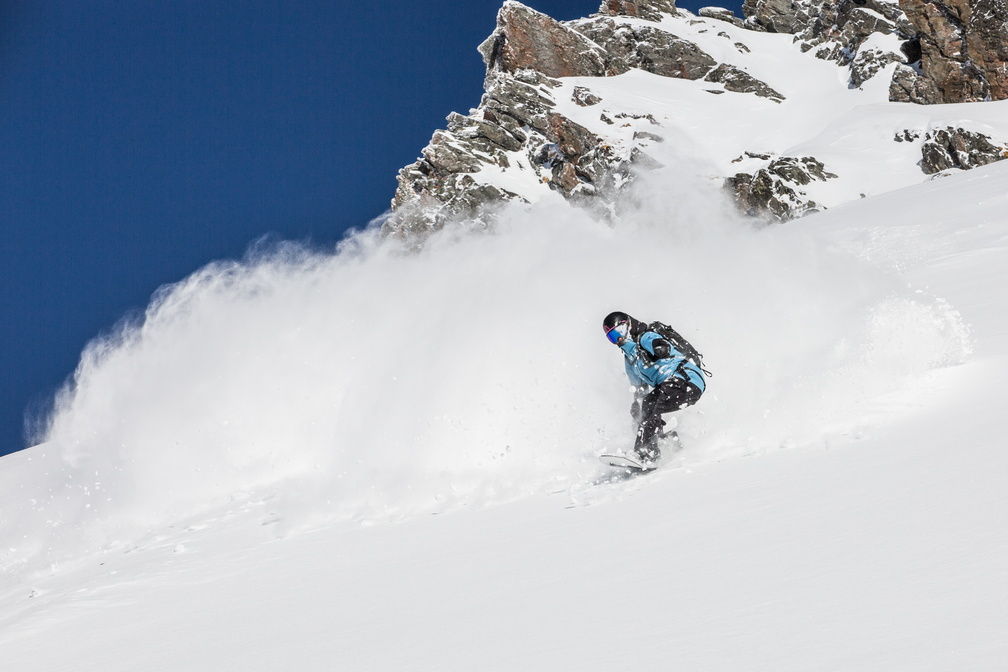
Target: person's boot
[
  {"x": 648, "y": 453},
  {"x": 646, "y": 445}
]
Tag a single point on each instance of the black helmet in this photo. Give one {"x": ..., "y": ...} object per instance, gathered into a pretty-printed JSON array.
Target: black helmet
[{"x": 616, "y": 326}]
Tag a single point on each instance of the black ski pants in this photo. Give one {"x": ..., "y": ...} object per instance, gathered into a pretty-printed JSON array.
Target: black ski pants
[{"x": 670, "y": 396}]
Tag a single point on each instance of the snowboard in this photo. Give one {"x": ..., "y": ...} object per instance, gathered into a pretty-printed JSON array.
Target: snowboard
[
  {"x": 634, "y": 465},
  {"x": 624, "y": 462}
]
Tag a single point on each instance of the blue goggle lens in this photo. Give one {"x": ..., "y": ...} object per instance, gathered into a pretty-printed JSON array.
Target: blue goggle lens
[{"x": 616, "y": 334}]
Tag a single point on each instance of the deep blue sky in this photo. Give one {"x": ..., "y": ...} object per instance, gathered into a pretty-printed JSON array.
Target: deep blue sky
[{"x": 140, "y": 140}]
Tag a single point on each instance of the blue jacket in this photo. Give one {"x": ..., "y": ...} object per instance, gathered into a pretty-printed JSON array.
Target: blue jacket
[{"x": 648, "y": 368}]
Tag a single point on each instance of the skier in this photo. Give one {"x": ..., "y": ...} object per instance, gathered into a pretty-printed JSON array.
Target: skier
[{"x": 666, "y": 372}]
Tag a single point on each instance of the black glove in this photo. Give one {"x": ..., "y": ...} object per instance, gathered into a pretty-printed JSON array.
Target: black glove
[{"x": 635, "y": 407}]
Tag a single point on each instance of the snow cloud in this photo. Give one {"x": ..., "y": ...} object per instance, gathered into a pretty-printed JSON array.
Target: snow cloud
[{"x": 373, "y": 382}]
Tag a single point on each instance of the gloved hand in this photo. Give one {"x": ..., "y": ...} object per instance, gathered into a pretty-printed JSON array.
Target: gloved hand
[{"x": 635, "y": 407}]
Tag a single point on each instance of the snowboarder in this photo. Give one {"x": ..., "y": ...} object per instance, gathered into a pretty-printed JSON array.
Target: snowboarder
[{"x": 666, "y": 372}]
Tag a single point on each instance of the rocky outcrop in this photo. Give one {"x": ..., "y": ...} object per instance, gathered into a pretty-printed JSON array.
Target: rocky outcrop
[
  {"x": 741, "y": 81},
  {"x": 721, "y": 14},
  {"x": 958, "y": 148},
  {"x": 650, "y": 10},
  {"x": 824, "y": 20},
  {"x": 439, "y": 186},
  {"x": 662, "y": 53},
  {"x": 856, "y": 39},
  {"x": 529, "y": 40},
  {"x": 779, "y": 16},
  {"x": 579, "y": 162},
  {"x": 515, "y": 126},
  {"x": 517, "y": 130},
  {"x": 870, "y": 62},
  {"x": 908, "y": 85},
  {"x": 952, "y": 51},
  {"x": 651, "y": 49},
  {"x": 522, "y": 143},
  {"x": 963, "y": 52},
  {"x": 838, "y": 30},
  {"x": 584, "y": 97},
  {"x": 775, "y": 192}
]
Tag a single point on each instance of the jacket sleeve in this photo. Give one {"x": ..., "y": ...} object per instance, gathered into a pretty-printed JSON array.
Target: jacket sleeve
[{"x": 635, "y": 380}]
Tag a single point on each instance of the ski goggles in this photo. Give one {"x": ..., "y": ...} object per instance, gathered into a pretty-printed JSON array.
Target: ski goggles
[{"x": 617, "y": 333}]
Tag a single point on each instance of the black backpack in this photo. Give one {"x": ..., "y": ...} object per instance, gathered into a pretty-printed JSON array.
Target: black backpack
[{"x": 680, "y": 344}]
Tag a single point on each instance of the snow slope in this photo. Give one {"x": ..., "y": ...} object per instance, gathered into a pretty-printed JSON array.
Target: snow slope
[
  {"x": 372, "y": 385},
  {"x": 241, "y": 483},
  {"x": 376, "y": 458}
]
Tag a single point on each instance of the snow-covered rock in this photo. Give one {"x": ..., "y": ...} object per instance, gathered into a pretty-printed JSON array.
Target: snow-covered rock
[
  {"x": 514, "y": 146},
  {"x": 780, "y": 16},
  {"x": 740, "y": 81},
  {"x": 945, "y": 148},
  {"x": 649, "y": 10},
  {"x": 864, "y": 36},
  {"x": 776, "y": 191},
  {"x": 721, "y": 14},
  {"x": 572, "y": 107},
  {"x": 648, "y": 48},
  {"x": 518, "y": 143}
]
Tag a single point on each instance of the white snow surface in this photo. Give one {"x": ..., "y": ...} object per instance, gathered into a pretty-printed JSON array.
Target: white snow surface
[
  {"x": 377, "y": 459},
  {"x": 270, "y": 445}
]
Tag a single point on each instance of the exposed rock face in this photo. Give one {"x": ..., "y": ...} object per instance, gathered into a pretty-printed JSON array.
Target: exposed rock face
[
  {"x": 910, "y": 86},
  {"x": 741, "y": 82},
  {"x": 662, "y": 53},
  {"x": 650, "y": 10},
  {"x": 515, "y": 122},
  {"x": 585, "y": 98},
  {"x": 650, "y": 49},
  {"x": 779, "y": 16},
  {"x": 518, "y": 126},
  {"x": 963, "y": 52},
  {"x": 439, "y": 186},
  {"x": 775, "y": 192},
  {"x": 838, "y": 30},
  {"x": 958, "y": 148},
  {"x": 868, "y": 63},
  {"x": 721, "y": 14},
  {"x": 527, "y": 39},
  {"x": 952, "y": 50},
  {"x": 822, "y": 20},
  {"x": 521, "y": 141},
  {"x": 987, "y": 44},
  {"x": 579, "y": 162}
]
